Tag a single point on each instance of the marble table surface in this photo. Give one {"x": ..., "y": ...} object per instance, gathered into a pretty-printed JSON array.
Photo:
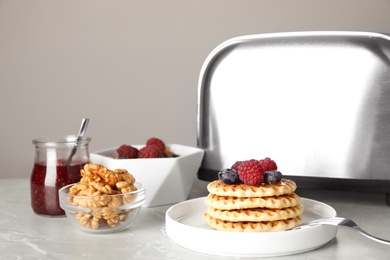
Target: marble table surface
[{"x": 25, "y": 235}]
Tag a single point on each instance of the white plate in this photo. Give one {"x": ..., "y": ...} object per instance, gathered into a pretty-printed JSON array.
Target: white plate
[{"x": 186, "y": 227}]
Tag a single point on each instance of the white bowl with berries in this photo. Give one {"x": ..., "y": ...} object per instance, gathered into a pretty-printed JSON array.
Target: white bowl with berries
[{"x": 168, "y": 174}]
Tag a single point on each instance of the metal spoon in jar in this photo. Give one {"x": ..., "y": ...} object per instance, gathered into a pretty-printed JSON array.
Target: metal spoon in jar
[{"x": 83, "y": 128}]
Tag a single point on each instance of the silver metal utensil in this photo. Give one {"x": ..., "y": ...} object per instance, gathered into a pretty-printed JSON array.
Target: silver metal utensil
[
  {"x": 343, "y": 222},
  {"x": 83, "y": 128}
]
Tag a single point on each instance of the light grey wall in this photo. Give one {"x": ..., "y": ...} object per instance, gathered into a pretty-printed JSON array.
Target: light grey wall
[{"x": 132, "y": 67}]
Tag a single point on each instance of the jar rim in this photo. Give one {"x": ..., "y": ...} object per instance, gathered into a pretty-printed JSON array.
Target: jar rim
[{"x": 62, "y": 140}]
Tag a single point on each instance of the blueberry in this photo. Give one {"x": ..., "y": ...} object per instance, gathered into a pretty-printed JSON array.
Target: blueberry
[
  {"x": 272, "y": 176},
  {"x": 228, "y": 176}
]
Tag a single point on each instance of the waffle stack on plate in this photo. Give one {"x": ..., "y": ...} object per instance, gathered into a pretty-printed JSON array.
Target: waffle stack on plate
[{"x": 262, "y": 208}]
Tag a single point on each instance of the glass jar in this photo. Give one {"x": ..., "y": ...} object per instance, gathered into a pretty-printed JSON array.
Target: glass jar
[{"x": 51, "y": 170}]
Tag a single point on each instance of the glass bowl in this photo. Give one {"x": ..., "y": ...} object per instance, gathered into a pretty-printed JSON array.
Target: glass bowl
[{"x": 103, "y": 213}]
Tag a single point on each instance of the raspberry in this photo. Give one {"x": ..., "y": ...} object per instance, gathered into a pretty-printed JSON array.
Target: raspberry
[
  {"x": 235, "y": 165},
  {"x": 251, "y": 172},
  {"x": 150, "y": 151},
  {"x": 157, "y": 142},
  {"x": 127, "y": 152},
  {"x": 268, "y": 164}
]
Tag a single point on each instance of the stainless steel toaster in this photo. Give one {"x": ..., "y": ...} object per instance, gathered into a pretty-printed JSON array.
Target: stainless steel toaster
[{"x": 318, "y": 103}]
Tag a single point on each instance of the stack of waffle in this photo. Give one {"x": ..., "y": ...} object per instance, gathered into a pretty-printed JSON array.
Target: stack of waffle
[{"x": 248, "y": 208}]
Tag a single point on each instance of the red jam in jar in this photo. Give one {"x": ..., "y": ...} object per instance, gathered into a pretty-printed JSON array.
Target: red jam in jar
[
  {"x": 51, "y": 172},
  {"x": 44, "y": 187}
]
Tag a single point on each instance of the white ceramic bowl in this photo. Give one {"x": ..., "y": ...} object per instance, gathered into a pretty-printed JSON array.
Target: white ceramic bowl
[
  {"x": 167, "y": 180},
  {"x": 86, "y": 213}
]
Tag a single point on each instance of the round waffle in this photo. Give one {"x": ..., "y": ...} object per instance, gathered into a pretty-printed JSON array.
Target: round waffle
[
  {"x": 229, "y": 203},
  {"x": 265, "y": 226},
  {"x": 243, "y": 190},
  {"x": 255, "y": 215}
]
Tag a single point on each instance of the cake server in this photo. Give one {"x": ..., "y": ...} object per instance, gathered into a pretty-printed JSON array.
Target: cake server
[{"x": 343, "y": 222}]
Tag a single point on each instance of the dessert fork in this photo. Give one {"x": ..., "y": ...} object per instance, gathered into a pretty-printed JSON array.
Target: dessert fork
[{"x": 343, "y": 222}]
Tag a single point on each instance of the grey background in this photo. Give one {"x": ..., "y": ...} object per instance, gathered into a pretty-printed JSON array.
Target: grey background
[{"x": 132, "y": 67}]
